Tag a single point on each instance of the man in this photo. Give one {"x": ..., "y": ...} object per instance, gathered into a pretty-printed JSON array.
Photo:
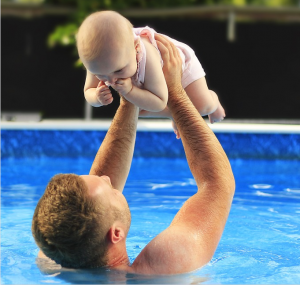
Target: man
[{"x": 83, "y": 221}]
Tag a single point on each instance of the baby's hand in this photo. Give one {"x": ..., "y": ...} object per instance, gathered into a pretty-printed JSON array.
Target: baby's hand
[
  {"x": 218, "y": 115},
  {"x": 123, "y": 86},
  {"x": 103, "y": 94}
]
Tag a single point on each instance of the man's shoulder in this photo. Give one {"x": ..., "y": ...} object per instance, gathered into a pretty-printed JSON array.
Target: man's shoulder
[{"x": 168, "y": 253}]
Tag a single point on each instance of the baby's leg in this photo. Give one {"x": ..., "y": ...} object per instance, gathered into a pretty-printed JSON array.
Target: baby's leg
[
  {"x": 202, "y": 97},
  {"x": 206, "y": 101},
  {"x": 219, "y": 114}
]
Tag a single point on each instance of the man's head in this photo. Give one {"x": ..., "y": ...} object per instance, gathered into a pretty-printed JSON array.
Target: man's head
[
  {"x": 73, "y": 218},
  {"x": 107, "y": 47}
]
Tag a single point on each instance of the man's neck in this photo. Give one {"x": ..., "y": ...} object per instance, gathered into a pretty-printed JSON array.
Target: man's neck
[{"x": 117, "y": 256}]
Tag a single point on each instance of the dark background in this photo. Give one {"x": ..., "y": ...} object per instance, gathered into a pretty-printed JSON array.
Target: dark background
[{"x": 256, "y": 77}]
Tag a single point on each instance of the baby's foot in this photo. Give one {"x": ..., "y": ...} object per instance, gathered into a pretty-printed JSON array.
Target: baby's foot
[{"x": 218, "y": 115}]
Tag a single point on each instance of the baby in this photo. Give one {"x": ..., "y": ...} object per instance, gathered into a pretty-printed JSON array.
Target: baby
[{"x": 127, "y": 59}]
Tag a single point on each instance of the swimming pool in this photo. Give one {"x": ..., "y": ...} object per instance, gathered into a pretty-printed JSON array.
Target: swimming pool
[{"x": 261, "y": 241}]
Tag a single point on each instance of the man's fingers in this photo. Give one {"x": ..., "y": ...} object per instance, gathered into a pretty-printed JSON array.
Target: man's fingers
[
  {"x": 167, "y": 44},
  {"x": 171, "y": 58},
  {"x": 163, "y": 45},
  {"x": 167, "y": 49},
  {"x": 162, "y": 39},
  {"x": 163, "y": 51}
]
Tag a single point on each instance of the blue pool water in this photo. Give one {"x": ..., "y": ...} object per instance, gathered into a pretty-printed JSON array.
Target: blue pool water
[{"x": 261, "y": 241}]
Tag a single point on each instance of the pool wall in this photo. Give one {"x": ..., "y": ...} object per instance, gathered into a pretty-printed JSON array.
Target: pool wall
[{"x": 153, "y": 140}]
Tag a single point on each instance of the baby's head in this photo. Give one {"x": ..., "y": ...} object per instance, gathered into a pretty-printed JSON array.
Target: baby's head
[
  {"x": 106, "y": 38},
  {"x": 102, "y": 31}
]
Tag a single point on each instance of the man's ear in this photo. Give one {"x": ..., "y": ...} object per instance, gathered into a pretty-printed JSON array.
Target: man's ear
[{"x": 115, "y": 234}]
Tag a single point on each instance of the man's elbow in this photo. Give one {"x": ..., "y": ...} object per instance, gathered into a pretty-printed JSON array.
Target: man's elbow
[
  {"x": 226, "y": 183},
  {"x": 227, "y": 178}
]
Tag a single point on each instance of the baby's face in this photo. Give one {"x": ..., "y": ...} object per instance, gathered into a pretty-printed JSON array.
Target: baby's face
[{"x": 114, "y": 64}]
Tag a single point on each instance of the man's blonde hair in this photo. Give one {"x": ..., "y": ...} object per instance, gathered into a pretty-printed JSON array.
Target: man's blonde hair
[
  {"x": 99, "y": 31},
  {"x": 69, "y": 226}
]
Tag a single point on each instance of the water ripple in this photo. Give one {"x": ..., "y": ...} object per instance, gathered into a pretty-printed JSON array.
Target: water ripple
[
  {"x": 292, "y": 190},
  {"x": 261, "y": 186}
]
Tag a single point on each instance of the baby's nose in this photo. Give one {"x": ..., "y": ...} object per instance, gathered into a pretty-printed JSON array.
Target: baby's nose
[{"x": 112, "y": 80}]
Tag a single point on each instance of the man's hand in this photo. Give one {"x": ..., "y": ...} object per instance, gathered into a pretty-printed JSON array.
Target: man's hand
[
  {"x": 172, "y": 62},
  {"x": 103, "y": 94},
  {"x": 123, "y": 86}
]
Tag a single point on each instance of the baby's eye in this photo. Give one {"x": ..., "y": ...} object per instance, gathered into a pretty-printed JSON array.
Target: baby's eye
[{"x": 118, "y": 71}]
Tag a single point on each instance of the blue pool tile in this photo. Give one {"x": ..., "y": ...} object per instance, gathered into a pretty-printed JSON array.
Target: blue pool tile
[{"x": 38, "y": 143}]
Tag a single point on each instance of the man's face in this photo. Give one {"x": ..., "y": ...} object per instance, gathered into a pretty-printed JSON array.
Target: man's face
[{"x": 99, "y": 187}]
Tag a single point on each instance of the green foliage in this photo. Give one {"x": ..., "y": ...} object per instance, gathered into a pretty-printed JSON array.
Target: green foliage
[
  {"x": 273, "y": 3},
  {"x": 65, "y": 35}
]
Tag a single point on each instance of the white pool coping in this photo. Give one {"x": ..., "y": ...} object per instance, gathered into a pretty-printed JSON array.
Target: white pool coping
[{"x": 153, "y": 125}]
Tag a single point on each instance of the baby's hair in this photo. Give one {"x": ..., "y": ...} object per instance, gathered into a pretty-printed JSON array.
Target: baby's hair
[{"x": 99, "y": 30}]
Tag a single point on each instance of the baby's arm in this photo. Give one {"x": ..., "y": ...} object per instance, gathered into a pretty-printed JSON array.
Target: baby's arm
[
  {"x": 155, "y": 95},
  {"x": 96, "y": 92}
]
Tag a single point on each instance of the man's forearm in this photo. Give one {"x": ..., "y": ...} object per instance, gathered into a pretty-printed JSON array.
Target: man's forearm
[
  {"x": 115, "y": 154},
  {"x": 206, "y": 157}
]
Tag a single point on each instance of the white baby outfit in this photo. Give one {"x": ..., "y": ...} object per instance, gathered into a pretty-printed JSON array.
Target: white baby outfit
[{"x": 191, "y": 67}]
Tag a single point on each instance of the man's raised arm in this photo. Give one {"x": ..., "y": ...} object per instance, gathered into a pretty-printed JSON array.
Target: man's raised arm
[
  {"x": 206, "y": 157},
  {"x": 115, "y": 153},
  {"x": 204, "y": 215},
  {"x": 192, "y": 238}
]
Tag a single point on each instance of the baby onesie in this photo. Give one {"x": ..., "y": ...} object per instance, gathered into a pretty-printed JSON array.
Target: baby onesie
[{"x": 191, "y": 67}]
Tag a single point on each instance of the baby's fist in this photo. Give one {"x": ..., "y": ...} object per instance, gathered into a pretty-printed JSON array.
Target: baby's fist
[
  {"x": 123, "y": 86},
  {"x": 103, "y": 94}
]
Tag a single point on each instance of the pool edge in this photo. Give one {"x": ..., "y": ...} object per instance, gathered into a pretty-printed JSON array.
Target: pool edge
[{"x": 152, "y": 125}]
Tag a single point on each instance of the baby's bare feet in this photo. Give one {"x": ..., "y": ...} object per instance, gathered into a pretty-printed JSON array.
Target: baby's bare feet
[{"x": 218, "y": 115}]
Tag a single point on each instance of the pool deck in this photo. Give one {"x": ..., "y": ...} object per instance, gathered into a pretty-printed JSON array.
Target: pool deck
[{"x": 161, "y": 125}]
